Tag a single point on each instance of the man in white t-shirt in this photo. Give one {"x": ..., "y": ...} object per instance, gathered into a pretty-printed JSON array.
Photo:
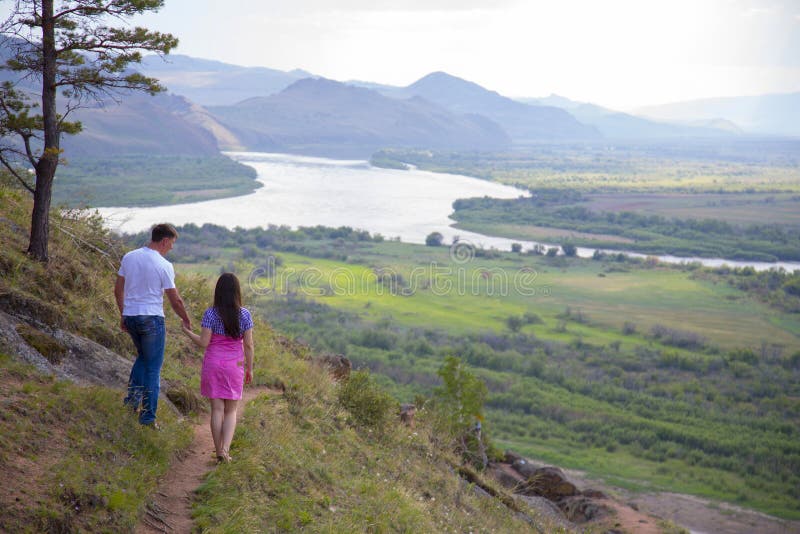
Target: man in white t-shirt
[{"x": 143, "y": 278}]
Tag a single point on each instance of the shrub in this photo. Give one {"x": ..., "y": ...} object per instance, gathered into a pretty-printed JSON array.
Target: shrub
[
  {"x": 460, "y": 397},
  {"x": 514, "y": 322},
  {"x": 678, "y": 338},
  {"x": 532, "y": 318},
  {"x": 369, "y": 405},
  {"x": 434, "y": 239},
  {"x": 628, "y": 328}
]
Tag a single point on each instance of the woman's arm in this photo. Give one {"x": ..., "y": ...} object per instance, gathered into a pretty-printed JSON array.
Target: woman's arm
[
  {"x": 202, "y": 340},
  {"x": 249, "y": 350}
]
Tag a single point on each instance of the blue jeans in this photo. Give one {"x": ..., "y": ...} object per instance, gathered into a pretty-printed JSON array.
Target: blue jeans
[{"x": 149, "y": 335}]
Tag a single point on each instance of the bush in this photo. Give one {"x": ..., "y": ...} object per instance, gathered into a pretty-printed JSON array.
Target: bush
[
  {"x": 369, "y": 405},
  {"x": 678, "y": 338},
  {"x": 628, "y": 328},
  {"x": 434, "y": 239},
  {"x": 514, "y": 323}
]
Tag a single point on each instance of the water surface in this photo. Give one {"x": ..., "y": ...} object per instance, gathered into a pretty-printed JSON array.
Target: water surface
[{"x": 308, "y": 191}]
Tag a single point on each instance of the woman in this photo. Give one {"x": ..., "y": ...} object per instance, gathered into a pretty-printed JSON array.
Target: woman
[{"x": 227, "y": 337}]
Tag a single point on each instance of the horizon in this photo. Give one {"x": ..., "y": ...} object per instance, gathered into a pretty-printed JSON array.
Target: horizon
[
  {"x": 622, "y": 54},
  {"x": 544, "y": 96}
]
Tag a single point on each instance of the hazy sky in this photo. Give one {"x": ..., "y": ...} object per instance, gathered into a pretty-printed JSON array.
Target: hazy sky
[{"x": 619, "y": 53}]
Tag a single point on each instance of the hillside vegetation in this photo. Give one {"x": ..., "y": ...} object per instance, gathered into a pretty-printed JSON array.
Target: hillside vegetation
[
  {"x": 150, "y": 179},
  {"x": 318, "y": 458},
  {"x": 653, "y": 377}
]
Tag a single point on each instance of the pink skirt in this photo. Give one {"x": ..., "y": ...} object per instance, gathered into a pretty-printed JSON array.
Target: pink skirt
[{"x": 222, "y": 376}]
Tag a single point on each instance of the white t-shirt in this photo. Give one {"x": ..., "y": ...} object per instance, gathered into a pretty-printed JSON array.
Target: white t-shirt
[{"x": 147, "y": 274}]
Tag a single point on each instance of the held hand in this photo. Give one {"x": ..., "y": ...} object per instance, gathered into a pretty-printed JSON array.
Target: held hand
[
  {"x": 187, "y": 324},
  {"x": 186, "y": 330},
  {"x": 248, "y": 377}
]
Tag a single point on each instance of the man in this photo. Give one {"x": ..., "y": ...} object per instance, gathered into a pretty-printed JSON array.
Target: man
[{"x": 143, "y": 278}]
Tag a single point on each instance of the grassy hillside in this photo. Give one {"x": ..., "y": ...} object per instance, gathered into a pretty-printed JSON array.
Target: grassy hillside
[
  {"x": 73, "y": 459},
  {"x": 650, "y": 376}
]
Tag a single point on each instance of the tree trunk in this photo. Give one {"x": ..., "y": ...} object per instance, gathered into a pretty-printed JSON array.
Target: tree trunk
[
  {"x": 48, "y": 161},
  {"x": 40, "y": 216}
]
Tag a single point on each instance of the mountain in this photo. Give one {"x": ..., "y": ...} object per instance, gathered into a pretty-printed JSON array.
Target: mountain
[
  {"x": 618, "y": 125},
  {"x": 321, "y": 116},
  {"x": 213, "y": 83},
  {"x": 131, "y": 122},
  {"x": 139, "y": 124},
  {"x": 523, "y": 122},
  {"x": 773, "y": 114}
]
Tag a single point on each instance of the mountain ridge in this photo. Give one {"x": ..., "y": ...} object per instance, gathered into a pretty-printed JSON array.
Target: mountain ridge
[
  {"x": 523, "y": 122},
  {"x": 317, "y": 114}
]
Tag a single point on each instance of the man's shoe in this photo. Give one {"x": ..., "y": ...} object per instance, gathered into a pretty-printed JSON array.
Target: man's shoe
[{"x": 153, "y": 426}]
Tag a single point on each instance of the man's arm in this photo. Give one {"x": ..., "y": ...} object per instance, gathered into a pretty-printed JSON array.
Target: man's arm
[
  {"x": 176, "y": 302},
  {"x": 119, "y": 294}
]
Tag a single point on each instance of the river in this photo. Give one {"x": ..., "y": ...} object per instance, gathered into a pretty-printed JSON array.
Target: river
[{"x": 309, "y": 191}]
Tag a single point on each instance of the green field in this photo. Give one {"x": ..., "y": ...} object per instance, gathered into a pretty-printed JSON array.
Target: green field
[
  {"x": 648, "y": 376},
  {"x": 150, "y": 180},
  {"x": 730, "y": 166},
  {"x": 735, "y": 208},
  {"x": 460, "y": 298}
]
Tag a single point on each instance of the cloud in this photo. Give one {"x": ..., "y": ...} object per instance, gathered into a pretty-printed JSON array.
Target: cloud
[{"x": 402, "y": 5}]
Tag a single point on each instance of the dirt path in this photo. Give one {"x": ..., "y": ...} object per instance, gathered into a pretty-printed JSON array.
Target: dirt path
[{"x": 170, "y": 509}]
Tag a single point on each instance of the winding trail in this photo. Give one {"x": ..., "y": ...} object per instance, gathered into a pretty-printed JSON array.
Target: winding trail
[{"x": 170, "y": 507}]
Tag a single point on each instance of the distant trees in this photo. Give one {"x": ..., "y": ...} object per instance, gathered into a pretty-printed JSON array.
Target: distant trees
[
  {"x": 68, "y": 47},
  {"x": 434, "y": 239}
]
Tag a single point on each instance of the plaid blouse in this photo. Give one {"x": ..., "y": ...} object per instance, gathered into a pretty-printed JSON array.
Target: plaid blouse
[{"x": 213, "y": 321}]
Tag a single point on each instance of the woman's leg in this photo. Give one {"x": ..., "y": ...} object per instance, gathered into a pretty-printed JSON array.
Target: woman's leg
[
  {"x": 229, "y": 424},
  {"x": 217, "y": 417}
]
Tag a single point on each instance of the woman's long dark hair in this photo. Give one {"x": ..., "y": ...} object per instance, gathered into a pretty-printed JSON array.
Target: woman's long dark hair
[{"x": 228, "y": 302}]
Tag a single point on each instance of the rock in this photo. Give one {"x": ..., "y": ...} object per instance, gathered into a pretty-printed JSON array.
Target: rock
[
  {"x": 542, "y": 504},
  {"x": 480, "y": 492},
  {"x": 87, "y": 361},
  {"x": 594, "y": 494},
  {"x": 338, "y": 365},
  {"x": 511, "y": 457},
  {"x": 548, "y": 482},
  {"x": 525, "y": 468},
  {"x": 79, "y": 359},
  {"x": 503, "y": 474},
  {"x": 13, "y": 344},
  {"x": 580, "y": 509},
  {"x": 548, "y": 510},
  {"x": 407, "y": 412}
]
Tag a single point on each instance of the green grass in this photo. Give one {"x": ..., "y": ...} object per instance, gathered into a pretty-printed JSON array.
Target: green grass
[
  {"x": 735, "y": 208},
  {"x": 88, "y": 465},
  {"x": 464, "y": 301},
  {"x": 305, "y": 466},
  {"x": 578, "y": 392},
  {"x": 736, "y": 167},
  {"x": 149, "y": 180},
  {"x": 74, "y": 460}
]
